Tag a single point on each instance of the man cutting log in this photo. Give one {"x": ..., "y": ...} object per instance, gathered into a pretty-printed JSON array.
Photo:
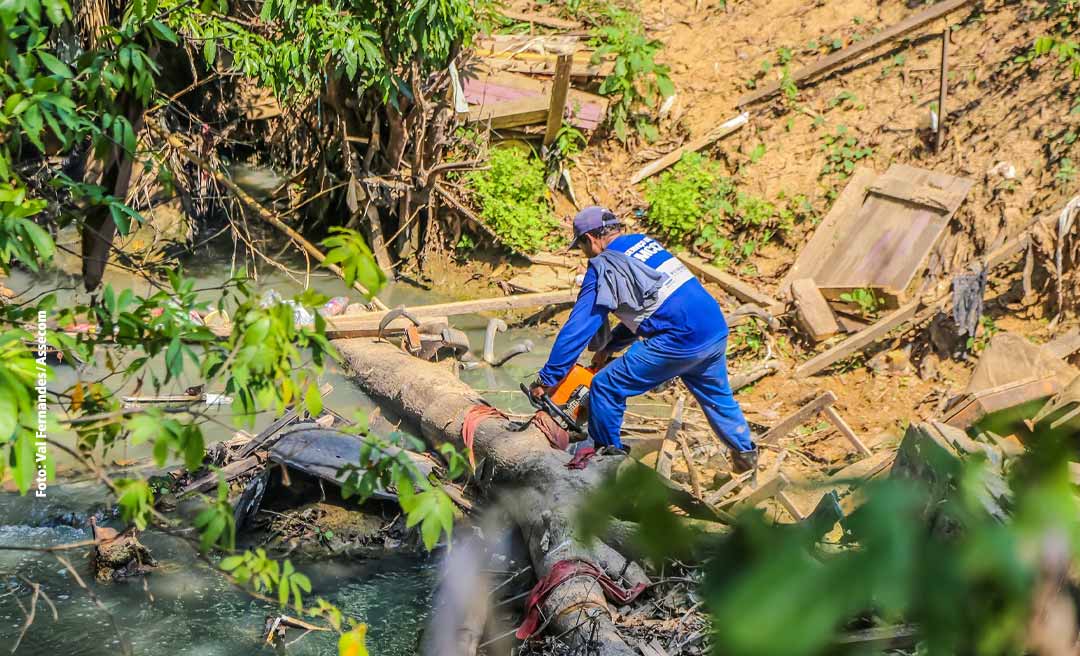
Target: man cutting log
[{"x": 680, "y": 325}]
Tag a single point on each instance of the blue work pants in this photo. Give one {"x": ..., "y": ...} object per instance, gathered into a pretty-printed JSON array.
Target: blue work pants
[{"x": 643, "y": 367}]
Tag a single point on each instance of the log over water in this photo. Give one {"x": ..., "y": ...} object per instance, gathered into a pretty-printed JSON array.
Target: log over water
[{"x": 521, "y": 472}]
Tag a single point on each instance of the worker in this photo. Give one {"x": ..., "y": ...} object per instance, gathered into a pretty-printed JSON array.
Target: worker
[{"x": 656, "y": 298}]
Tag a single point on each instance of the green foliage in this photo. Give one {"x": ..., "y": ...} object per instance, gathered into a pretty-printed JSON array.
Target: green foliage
[
  {"x": 868, "y": 303},
  {"x": 934, "y": 557},
  {"x": 348, "y": 249},
  {"x": 694, "y": 199},
  {"x": 845, "y": 100},
  {"x": 268, "y": 576},
  {"x": 514, "y": 200},
  {"x": 384, "y": 465},
  {"x": 1061, "y": 41},
  {"x": 843, "y": 150},
  {"x": 637, "y": 84},
  {"x": 781, "y": 60},
  {"x": 369, "y": 43},
  {"x": 987, "y": 329},
  {"x": 217, "y": 524},
  {"x": 749, "y": 338},
  {"x": 136, "y": 501},
  {"x": 1066, "y": 172},
  {"x": 569, "y": 142}
]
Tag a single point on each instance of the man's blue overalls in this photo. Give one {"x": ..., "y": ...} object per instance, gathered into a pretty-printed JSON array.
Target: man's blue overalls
[{"x": 683, "y": 333}]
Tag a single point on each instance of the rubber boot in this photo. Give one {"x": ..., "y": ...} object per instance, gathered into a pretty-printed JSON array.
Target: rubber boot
[{"x": 744, "y": 461}]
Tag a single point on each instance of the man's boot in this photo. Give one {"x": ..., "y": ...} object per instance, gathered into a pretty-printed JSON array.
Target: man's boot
[{"x": 744, "y": 461}]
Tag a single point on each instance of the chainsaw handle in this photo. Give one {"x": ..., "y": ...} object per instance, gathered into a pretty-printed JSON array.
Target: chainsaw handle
[{"x": 544, "y": 402}]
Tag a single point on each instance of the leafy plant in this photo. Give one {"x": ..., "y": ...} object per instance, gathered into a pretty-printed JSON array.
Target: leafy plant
[
  {"x": 843, "y": 150},
  {"x": 637, "y": 84},
  {"x": 865, "y": 299},
  {"x": 748, "y": 338},
  {"x": 845, "y": 100},
  {"x": 694, "y": 199},
  {"x": 987, "y": 329},
  {"x": 514, "y": 201}
]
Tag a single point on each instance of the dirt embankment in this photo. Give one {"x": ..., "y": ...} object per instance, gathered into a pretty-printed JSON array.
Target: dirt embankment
[{"x": 1009, "y": 128}]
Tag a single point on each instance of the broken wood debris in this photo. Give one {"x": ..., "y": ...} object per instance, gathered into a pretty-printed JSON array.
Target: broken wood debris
[
  {"x": 729, "y": 283},
  {"x": 822, "y": 404},
  {"x": 666, "y": 458},
  {"x": 719, "y": 132},
  {"x": 812, "y": 310},
  {"x": 503, "y": 100},
  {"x": 845, "y": 55},
  {"x": 346, "y": 322},
  {"x": 881, "y": 231}
]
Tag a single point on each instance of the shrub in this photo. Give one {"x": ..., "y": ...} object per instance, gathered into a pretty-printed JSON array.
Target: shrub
[
  {"x": 694, "y": 202},
  {"x": 513, "y": 200}
]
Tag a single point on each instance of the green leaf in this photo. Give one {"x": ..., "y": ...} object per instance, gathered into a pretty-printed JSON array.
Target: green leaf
[
  {"x": 313, "y": 400},
  {"x": 174, "y": 357},
  {"x": 55, "y": 66}
]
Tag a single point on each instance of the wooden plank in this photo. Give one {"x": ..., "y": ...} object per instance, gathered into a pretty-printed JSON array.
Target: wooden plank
[
  {"x": 666, "y": 457},
  {"x": 691, "y": 468},
  {"x": 836, "y": 420},
  {"x": 884, "y": 243},
  {"x": 940, "y": 191},
  {"x": 482, "y": 87},
  {"x": 717, "y": 133},
  {"x": 229, "y": 472},
  {"x": 789, "y": 505},
  {"x": 727, "y": 488},
  {"x": 849, "y": 201},
  {"x": 529, "y": 110},
  {"x": 557, "y": 106},
  {"x": 370, "y": 327},
  {"x": 457, "y": 308},
  {"x": 978, "y": 405},
  {"x": 798, "y": 418},
  {"x": 537, "y": 19},
  {"x": 1065, "y": 345},
  {"x": 765, "y": 491},
  {"x": 813, "y": 311},
  {"x": 729, "y": 283},
  {"x": 858, "y": 341},
  {"x": 843, "y": 56}
]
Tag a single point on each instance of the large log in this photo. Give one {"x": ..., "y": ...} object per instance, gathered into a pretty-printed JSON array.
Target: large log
[{"x": 520, "y": 472}]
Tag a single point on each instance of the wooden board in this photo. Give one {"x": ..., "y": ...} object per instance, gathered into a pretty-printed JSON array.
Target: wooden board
[
  {"x": 978, "y": 405},
  {"x": 858, "y": 341},
  {"x": 812, "y": 310},
  {"x": 844, "y": 55},
  {"x": 484, "y": 88},
  {"x": 821, "y": 243},
  {"x": 344, "y": 322},
  {"x": 370, "y": 327},
  {"x": 798, "y": 418},
  {"x": 666, "y": 457},
  {"x": 719, "y": 132},
  {"x": 729, "y": 283},
  {"x": 536, "y": 55},
  {"x": 884, "y": 241}
]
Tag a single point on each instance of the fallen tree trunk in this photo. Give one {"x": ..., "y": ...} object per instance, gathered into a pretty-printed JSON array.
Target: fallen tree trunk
[{"x": 518, "y": 470}]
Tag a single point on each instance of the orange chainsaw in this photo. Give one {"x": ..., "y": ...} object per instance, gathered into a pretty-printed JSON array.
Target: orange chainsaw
[{"x": 568, "y": 401}]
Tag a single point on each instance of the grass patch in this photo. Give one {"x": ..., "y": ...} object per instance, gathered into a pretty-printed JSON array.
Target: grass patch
[{"x": 514, "y": 201}]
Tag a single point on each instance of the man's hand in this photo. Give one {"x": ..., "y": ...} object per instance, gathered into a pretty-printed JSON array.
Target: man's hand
[
  {"x": 600, "y": 358},
  {"x": 538, "y": 389}
]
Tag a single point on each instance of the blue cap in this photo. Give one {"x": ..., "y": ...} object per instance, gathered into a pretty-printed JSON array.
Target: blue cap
[{"x": 592, "y": 218}]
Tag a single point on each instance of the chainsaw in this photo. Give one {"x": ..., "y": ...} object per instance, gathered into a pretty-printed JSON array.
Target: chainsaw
[{"x": 568, "y": 401}]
